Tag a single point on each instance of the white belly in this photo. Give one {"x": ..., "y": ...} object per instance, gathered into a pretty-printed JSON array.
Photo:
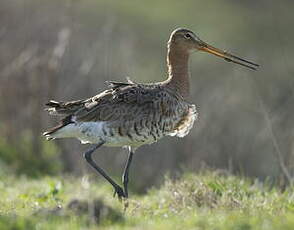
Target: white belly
[{"x": 95, "y": 132}]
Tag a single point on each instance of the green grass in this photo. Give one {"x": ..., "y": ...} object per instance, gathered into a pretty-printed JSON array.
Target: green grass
[{"x": 209, "y": 200}]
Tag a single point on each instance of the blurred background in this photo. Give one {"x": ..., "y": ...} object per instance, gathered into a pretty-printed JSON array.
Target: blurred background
[{"x": 67, "y": 49}]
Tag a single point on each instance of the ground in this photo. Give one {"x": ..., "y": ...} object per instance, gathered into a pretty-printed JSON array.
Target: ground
[{"x": 207, "y": 200}]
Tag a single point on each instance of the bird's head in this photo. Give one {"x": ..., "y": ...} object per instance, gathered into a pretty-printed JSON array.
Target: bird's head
[{"x": 185, "y": 40}]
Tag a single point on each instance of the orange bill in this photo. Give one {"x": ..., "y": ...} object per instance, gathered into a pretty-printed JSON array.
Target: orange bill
[{"x": 227, "y": 56}]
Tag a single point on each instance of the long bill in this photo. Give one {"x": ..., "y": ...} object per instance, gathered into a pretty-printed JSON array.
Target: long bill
[{"x": 227, "y": 56}]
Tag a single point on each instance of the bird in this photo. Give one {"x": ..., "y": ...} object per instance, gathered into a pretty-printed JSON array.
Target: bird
[{"x": 130, "y": 114}]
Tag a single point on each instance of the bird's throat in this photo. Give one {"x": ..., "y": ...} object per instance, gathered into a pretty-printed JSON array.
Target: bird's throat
[{"x": 178, "y": 70}]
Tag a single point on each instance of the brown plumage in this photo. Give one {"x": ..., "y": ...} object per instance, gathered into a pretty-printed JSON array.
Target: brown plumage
[
  {"x": 132, "y": 114},
  {"x": 136, "y": 111}
]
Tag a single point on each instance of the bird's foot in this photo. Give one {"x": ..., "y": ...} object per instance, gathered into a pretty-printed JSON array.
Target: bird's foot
[{"x": 119, "y": 192}]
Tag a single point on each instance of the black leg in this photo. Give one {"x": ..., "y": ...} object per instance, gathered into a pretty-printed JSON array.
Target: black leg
[
  {"x": 125, "y": 177},
  {"x": 88, "y": 156}
]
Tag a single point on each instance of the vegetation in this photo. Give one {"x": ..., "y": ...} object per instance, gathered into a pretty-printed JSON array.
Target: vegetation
[
  {"x": 20, "y": 158},
  {"x": 209, "y": 200}
]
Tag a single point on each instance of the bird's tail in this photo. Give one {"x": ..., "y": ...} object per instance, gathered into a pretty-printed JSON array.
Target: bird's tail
[
  {"x": 66, "y": 109},
  {"x": 52, "y": 133}
]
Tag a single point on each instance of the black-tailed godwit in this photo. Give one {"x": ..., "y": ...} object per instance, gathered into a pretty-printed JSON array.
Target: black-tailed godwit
[{"x": 132, "y": 114}]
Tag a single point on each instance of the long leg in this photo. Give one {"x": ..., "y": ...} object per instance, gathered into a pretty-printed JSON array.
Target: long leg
[
  {"x": 125, "y": 177},
  {"x": 88, "y": 156}
]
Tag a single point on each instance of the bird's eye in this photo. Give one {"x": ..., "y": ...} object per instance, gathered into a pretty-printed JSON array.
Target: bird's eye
[{"x": 188, "y": 36}]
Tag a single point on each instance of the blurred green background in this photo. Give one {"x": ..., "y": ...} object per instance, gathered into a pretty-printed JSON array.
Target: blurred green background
[{"x": 67, "y": 49}]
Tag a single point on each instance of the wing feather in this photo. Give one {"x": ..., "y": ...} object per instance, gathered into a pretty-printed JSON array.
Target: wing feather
[{"x": 130, "y": 102}]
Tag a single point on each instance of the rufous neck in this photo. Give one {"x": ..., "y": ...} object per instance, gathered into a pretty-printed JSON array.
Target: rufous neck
[{"x": 178, "y": 71}]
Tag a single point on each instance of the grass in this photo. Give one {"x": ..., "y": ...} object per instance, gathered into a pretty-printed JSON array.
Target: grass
[{"x": 209, "y": 200}]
